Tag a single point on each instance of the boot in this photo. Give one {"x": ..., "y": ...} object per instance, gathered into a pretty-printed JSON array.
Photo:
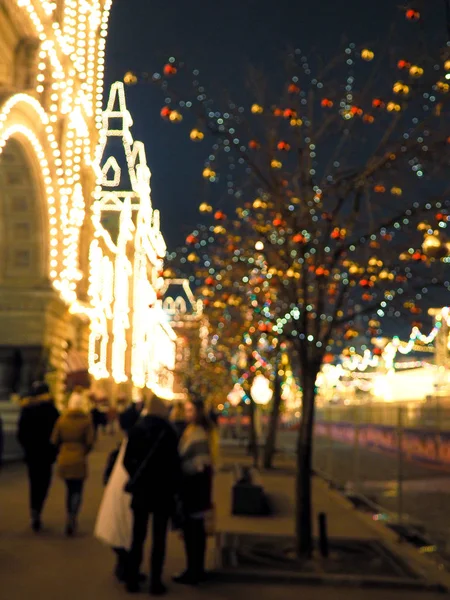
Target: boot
[
  {"x": 186, "y": 578},
  {"x": 71, "y": 526},
  {"x": 157, "y": 588},
  {"x": 120, "y": 573},
  {"x": 36, "y": 524}
]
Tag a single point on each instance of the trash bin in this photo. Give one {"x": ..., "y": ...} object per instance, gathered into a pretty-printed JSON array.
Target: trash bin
[{"x": 248, "y": 497}]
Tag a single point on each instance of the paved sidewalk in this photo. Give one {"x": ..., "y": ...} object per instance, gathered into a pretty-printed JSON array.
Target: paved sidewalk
[
  {"x": 280, "y": 485},
  {"x": 52, "y": 567}
]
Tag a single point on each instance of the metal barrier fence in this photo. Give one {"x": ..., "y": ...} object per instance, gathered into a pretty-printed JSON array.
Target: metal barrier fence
[
  {"x": 430, "y": 416},
  {"x": 410, "y": 477}
]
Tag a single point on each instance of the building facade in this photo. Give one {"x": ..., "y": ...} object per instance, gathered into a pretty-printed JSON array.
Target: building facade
[
  {"x": 52, "y": 56},
  {"x": 186, "y": 317}
]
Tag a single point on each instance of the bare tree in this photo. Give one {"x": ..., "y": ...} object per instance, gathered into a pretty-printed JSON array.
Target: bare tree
[{"x": 340, "y": 184}]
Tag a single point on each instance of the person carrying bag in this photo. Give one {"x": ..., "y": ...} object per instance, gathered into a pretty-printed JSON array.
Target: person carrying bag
[{"x": 114, "y": 523}]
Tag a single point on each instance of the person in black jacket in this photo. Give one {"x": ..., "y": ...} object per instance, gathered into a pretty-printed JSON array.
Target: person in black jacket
[
  {"x": 36, "y": 423},
  {"x": 1, "y": 441},
  {"x": 129, "y": 417},
  {"x": 152, "y": 460}
]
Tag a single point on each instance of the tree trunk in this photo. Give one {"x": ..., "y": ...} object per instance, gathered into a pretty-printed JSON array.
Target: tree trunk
[
  {"x": 304, "y": 524},
  {"x": 271, "y": 439},
  {"x": 253, "y": 438}
]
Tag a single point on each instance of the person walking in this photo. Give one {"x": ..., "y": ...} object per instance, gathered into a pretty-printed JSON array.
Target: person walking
[
  {"x": 152, "y": 461},
  {"x": 198, "y": 453},
  {"x": 73, "y": 436},
  {"x": 36, "y": 422},
  {"x": 96, "y": 415},
  {"x": 114, "y": 523},
  {"x": 178, "y": 418},
  {"x": 112, "y": 415}
]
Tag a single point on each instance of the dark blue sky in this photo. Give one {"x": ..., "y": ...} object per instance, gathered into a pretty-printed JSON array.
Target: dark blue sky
[{"x": 221, "y": 39}]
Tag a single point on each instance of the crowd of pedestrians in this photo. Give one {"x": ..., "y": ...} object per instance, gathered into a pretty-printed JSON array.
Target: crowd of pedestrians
[{"x": 163, "y": 469}]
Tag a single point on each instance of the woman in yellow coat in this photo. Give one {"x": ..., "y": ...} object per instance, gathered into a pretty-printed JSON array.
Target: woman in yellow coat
[{"x": 73, "y": 436}]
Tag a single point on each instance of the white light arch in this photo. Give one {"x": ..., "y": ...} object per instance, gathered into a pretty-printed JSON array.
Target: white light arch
[{"x": 31, "y": 145}]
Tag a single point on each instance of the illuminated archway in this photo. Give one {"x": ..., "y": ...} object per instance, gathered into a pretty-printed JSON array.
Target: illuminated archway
[{"x": 23, "y": 222}]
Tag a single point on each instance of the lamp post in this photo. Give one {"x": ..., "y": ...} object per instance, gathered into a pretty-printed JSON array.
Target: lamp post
[{"x": 261, "y": 394}]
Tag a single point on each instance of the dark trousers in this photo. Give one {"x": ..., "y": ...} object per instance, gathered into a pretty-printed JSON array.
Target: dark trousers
[
  {"x": 158, "y": 553},
  {"x": 74, "y": 496},
  {"x": 195, "y": 544},
  {"x": 39, "y": 476},
  {"x": 121, "y": 563}
]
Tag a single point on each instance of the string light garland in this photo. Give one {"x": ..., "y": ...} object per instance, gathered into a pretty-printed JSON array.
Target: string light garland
[
  {"x": 70, "y": 52},
  {"x": 324, "y": 269},
  {"x": 389, "y": 353}
]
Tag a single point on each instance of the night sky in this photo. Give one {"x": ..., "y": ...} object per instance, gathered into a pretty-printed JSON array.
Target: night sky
[{"x": 221, "y": 39}]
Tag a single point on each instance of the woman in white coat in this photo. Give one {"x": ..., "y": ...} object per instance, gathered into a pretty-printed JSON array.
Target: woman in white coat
[{"x": 115, "y": 519}]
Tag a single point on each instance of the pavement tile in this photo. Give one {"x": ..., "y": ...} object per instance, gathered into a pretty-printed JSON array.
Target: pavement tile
[{"x": 55, "y": 568}]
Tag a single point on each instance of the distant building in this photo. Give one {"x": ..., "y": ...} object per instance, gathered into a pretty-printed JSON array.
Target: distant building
[{"x": 187, "y": 319}]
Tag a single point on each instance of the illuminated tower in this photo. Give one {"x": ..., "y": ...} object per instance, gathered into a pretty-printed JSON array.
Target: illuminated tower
[{"x": 131, "y": 342}]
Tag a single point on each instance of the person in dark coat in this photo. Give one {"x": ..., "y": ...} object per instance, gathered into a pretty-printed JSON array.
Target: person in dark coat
[
  {"x": 152, "y": 461},
  {"x": 96, "y": 415},
  {"x": 36, "y": 423},
  {"x": 129, "y": 417},
  {"x": 1, "y": 441}
]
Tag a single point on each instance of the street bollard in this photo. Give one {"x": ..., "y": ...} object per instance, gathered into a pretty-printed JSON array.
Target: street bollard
[
  {"x": 330, "y": 454},
  {"x": 323, "y": 535},
  {"x": 400, "y": 465},
  {"x": 356, "y": 453}
]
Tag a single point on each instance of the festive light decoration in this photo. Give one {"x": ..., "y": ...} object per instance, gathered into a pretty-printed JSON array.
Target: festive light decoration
[
  {"x": 175, "y": 116},
  {"x": 412, "y": 15},
  {"x": 70, "y": 71},
  {"x": 400, "y": 88},
  {"x": 169, "y": 69},
  {"x": 293, "y": 88},
  {"x": 403, "y": 64},
  {"x": 196, "y": 135},
  {"x": 130, "y": 78},
  {"x": 236, "y": 395},
  {"x": 367, "y": 54},
  {"x": 390, "y": 350},
  {"x": 393, "y": 107},
  {"x": 208, "y": 173},
  {"x": 261, "y": 391},
  {"x": 128, "y": 326},
  {"x": 257, "y": 109},
  {"x": 321, "y": 267},
  {"x": 416, "y": 71}
]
